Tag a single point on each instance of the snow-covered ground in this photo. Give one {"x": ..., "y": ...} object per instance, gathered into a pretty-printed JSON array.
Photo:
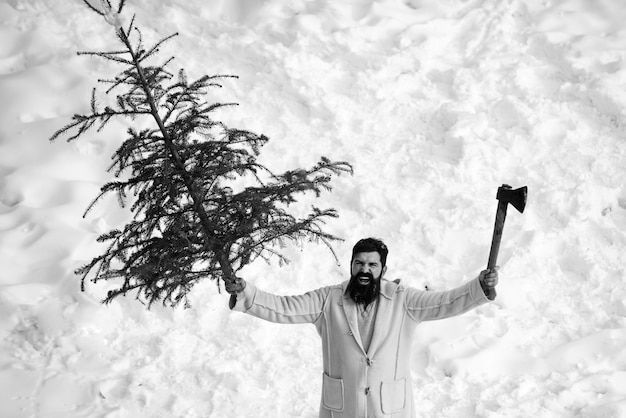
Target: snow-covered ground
[{"x": 435, "y": 103}]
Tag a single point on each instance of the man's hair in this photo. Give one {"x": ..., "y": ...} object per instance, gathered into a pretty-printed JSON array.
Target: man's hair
[{"x": 368, "y": 245}]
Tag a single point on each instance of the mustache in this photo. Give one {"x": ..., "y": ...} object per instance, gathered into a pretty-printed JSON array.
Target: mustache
[{"x": 364, "y": 274}]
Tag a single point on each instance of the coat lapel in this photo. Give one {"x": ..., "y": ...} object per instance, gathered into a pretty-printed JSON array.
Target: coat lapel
[
  {"x": 349, "y": 309},
  {"x": 381, "y": 324}
]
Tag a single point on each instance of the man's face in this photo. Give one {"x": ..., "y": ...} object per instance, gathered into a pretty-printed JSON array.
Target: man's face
[
  {"x": 366, "y": 267},
  {"x": 366, "y": 272}
]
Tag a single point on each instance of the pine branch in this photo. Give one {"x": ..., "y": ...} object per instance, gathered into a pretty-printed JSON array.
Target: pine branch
[
  {"x": 188, "y": 224},
  {"x": 196, "y": 197}
]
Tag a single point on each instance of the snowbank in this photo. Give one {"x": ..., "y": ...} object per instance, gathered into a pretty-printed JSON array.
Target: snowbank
[{"x": 436, "y": 104}]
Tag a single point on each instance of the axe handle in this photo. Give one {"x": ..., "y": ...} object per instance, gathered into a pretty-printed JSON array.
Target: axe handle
[{"x": 495, "y": 243}]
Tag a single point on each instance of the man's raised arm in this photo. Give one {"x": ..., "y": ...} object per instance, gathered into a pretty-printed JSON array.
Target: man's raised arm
[{"x": 305, "y": 308}]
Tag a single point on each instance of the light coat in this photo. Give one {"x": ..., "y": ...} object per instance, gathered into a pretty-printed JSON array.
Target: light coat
[{"x": 356, "y": 383}]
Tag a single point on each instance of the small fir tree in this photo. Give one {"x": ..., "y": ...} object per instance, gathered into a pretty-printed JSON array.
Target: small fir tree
[{"x": 188, "y": 224}]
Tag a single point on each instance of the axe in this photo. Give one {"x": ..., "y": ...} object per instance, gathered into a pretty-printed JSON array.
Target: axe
[{"x": 517, "y": 199}]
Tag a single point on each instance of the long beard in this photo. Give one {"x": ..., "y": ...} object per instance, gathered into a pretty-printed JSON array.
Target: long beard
[{"x": 361, "y": 293}]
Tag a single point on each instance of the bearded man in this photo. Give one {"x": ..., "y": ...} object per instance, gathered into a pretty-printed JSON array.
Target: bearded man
[{"x": 367, "y": 326}]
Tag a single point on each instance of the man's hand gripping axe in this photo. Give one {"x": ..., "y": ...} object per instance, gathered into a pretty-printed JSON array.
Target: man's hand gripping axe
[{"x": 517, "y": 199}]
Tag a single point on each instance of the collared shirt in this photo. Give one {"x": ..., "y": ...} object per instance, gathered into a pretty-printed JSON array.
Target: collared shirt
[{"x": 366, "y": 320}]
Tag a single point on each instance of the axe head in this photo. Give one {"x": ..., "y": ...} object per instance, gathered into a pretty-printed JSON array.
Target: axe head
[{"x": 516, "y": 198}]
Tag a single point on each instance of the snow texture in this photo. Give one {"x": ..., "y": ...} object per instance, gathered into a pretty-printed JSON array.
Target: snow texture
[{"x": 436, "y": 104}]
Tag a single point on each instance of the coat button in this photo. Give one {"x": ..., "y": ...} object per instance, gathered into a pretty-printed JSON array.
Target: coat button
[
  {"x": 367, "y": 391},
  {"x": 369, "y": 362},
  {"x": 349, "y": 332}
]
